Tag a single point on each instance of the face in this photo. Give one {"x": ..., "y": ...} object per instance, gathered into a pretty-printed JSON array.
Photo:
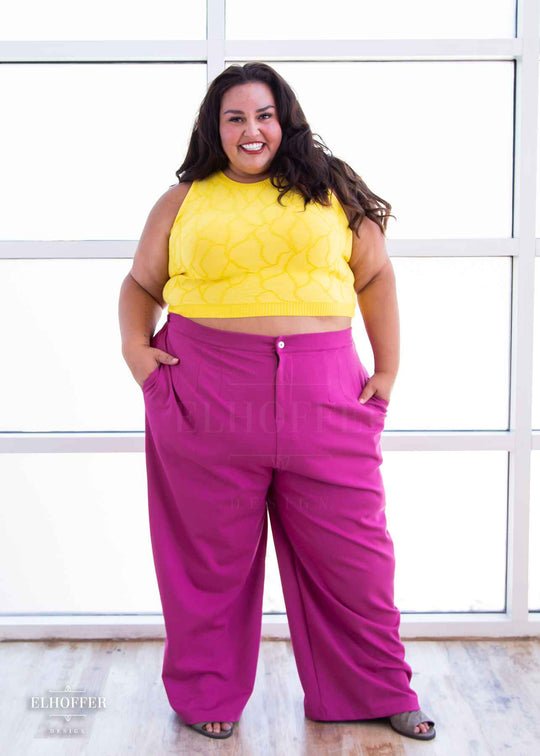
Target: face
[{"x": 248, "y": 114}]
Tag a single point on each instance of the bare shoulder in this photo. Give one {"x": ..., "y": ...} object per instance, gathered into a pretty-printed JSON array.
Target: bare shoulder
[
  {"x": 172, "y": 200},
  {"x": 369, "y": 254},
  {"x": 166, "y": 207},
  {"x": 150, "y": 262},
  {"x": 179, "y": 190}
]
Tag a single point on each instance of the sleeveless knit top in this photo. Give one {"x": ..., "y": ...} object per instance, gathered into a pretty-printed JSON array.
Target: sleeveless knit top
[{"x": 234, "y": 251}]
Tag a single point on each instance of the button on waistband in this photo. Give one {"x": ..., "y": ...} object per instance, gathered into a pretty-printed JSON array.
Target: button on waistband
[{"x": 281, "y": 344}]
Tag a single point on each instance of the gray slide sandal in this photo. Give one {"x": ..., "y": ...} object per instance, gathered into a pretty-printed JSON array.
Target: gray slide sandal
[
  {"x": 405, "y": 723},
  {"x": 221, "y": 735}
]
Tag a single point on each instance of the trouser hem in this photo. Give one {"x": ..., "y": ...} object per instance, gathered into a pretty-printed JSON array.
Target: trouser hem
[
  {"x": 207, "y": 717},
  {"x": 387, "y": 710}
]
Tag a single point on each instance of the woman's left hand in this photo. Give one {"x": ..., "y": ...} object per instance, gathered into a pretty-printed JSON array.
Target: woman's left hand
[{"x": 379, "y": 384}]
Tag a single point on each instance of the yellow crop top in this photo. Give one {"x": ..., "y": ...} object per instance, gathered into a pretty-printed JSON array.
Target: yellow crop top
[{"x": 234, "y": 251}]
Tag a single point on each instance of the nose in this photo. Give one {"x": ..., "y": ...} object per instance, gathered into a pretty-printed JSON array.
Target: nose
[{"x": 252, "y": 128}]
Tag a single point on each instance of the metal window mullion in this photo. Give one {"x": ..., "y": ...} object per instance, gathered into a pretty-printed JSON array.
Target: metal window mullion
[
  {"x": 151, "y": 625},
  {"x": 122, "y": 441},
  {"x": 521, "y": 362},
  {"x": 215, "y": 30},
  {"x": 165, "y": 51},
  {"x": 74, "y": 249},
  {"x": 103, "y": 51},
  {"x": 372, "y": 49}
]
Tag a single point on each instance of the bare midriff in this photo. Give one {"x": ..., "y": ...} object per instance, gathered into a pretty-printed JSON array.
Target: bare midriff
[{"x": 284, "y": 325}]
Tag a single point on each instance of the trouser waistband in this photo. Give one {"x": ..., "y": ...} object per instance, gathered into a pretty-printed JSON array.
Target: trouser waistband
[{"x": 297, "y": 342}]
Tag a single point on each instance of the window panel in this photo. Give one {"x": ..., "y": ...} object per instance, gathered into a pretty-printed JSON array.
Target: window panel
[
  {"x": 68, "y": 373},
  {"x": 98, "y": 140},
  {"x": 65, "y": 370},
  {"x": 536, "y": 348},
  {"x": 537, "y": 218},
  {"x": 86, "y": 150},
  {"x": 103, "y": 20},
  {"x": 447, "y": 515},
  {"x": 435, "y": 139},
  {"x": 273, "y": 600},
  {"x": 75, "y": 537},
  {"x": 534, "y": 534},
  {"x": 455, "y": 319},
  {"x": 386, "y": 19}
]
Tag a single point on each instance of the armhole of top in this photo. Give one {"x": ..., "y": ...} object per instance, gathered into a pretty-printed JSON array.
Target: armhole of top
[
  {"x": 182, "y": 205},
  {"x": 348, "y": 230}
]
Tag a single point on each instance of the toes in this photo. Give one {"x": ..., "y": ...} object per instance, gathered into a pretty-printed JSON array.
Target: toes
[{"x": 217, "y": 726}]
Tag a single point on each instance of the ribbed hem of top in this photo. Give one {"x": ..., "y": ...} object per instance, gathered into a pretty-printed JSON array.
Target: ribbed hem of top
[{"x": 263, "y": 308}]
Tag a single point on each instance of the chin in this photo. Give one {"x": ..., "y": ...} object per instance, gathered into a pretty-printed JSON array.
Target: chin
[{"x": 254, "y": 169}]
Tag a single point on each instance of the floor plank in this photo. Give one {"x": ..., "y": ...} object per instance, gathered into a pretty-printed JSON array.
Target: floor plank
[{"x": 483, "y": 694}]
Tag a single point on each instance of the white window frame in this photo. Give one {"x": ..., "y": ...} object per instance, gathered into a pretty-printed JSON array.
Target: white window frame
[{"x": 523, "y": 247}]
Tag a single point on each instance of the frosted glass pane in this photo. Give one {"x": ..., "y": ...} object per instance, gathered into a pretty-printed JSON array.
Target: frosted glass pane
[
  {"x": 435, "y": 139},
  {"x": 386, "y": 19},
  {"x": 63, "y": 364},
  {"x": 75, "y": 536},
  {"x": 86, "y": 150},
  {"x": 536, "y": 348},
  {"x": 538, "y": 176},
  {"x": 455, "y": 344},
  {"x": 88, "y": 547},
  {"x": 534, "y": 534},
  {"x": 67, "y": 372},
  {"x": 273, "y": 599},
  {"x": 103, "y": 20},
  {"x": 446, "y": 513}
]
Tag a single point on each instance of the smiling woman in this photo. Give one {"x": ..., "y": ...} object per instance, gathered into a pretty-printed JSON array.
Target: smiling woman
[
  {"x": 252, "y": 138},
  {"x": 261, "y": 416}
]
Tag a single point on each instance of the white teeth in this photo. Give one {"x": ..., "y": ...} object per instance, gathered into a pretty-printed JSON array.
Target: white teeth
[{"x": 255, "y": 146}]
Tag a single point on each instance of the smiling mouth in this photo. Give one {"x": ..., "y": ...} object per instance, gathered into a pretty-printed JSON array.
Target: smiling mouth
[{"x": 252, "y": 151}]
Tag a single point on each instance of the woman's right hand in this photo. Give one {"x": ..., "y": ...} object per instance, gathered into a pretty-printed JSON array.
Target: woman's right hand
[{"x": 143, "y": 360}]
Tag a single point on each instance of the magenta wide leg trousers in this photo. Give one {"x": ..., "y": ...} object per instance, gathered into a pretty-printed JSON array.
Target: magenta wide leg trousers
[{"x": 244, "y": 425}]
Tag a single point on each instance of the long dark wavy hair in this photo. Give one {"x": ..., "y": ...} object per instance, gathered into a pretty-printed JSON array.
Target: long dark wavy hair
[{"x": 301, "y": 161}]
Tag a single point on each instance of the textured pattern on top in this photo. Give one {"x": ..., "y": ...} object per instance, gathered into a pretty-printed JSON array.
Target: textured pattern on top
[{"x": 234, "y": 251}]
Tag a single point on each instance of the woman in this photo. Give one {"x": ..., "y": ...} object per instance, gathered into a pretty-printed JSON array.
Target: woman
[{"x": 255, "y": 397}]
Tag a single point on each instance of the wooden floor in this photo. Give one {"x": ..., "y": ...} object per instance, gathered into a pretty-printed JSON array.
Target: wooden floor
[{"x": 483, "y": 694}]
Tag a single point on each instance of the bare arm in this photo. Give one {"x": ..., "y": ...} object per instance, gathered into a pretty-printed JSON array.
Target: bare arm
[
  {"x": 141, "y": 299},
  {"x": 375, "y": 287},
  {"x": 379, "y": 307},
  {"x": 139, "y": 314}
]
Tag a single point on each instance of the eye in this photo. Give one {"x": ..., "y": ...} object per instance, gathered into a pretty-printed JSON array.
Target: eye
[{"x": 235, "y": 118}]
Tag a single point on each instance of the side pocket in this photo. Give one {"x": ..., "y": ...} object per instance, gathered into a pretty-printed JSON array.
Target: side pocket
[
  {"x": 349, "y": 376},
  {"x": 158, "y": 342},
  {"x": 380, "y": 401},
  {"x": 149, "y": 380},
  {"x": 377, "y": 400}
]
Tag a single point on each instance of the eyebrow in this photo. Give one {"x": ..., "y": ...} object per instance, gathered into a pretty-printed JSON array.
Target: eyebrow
[{"x": 241, "y": 111}]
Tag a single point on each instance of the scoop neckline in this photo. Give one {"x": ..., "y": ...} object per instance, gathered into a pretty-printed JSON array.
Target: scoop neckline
[{"x": 243, "y": 183}]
